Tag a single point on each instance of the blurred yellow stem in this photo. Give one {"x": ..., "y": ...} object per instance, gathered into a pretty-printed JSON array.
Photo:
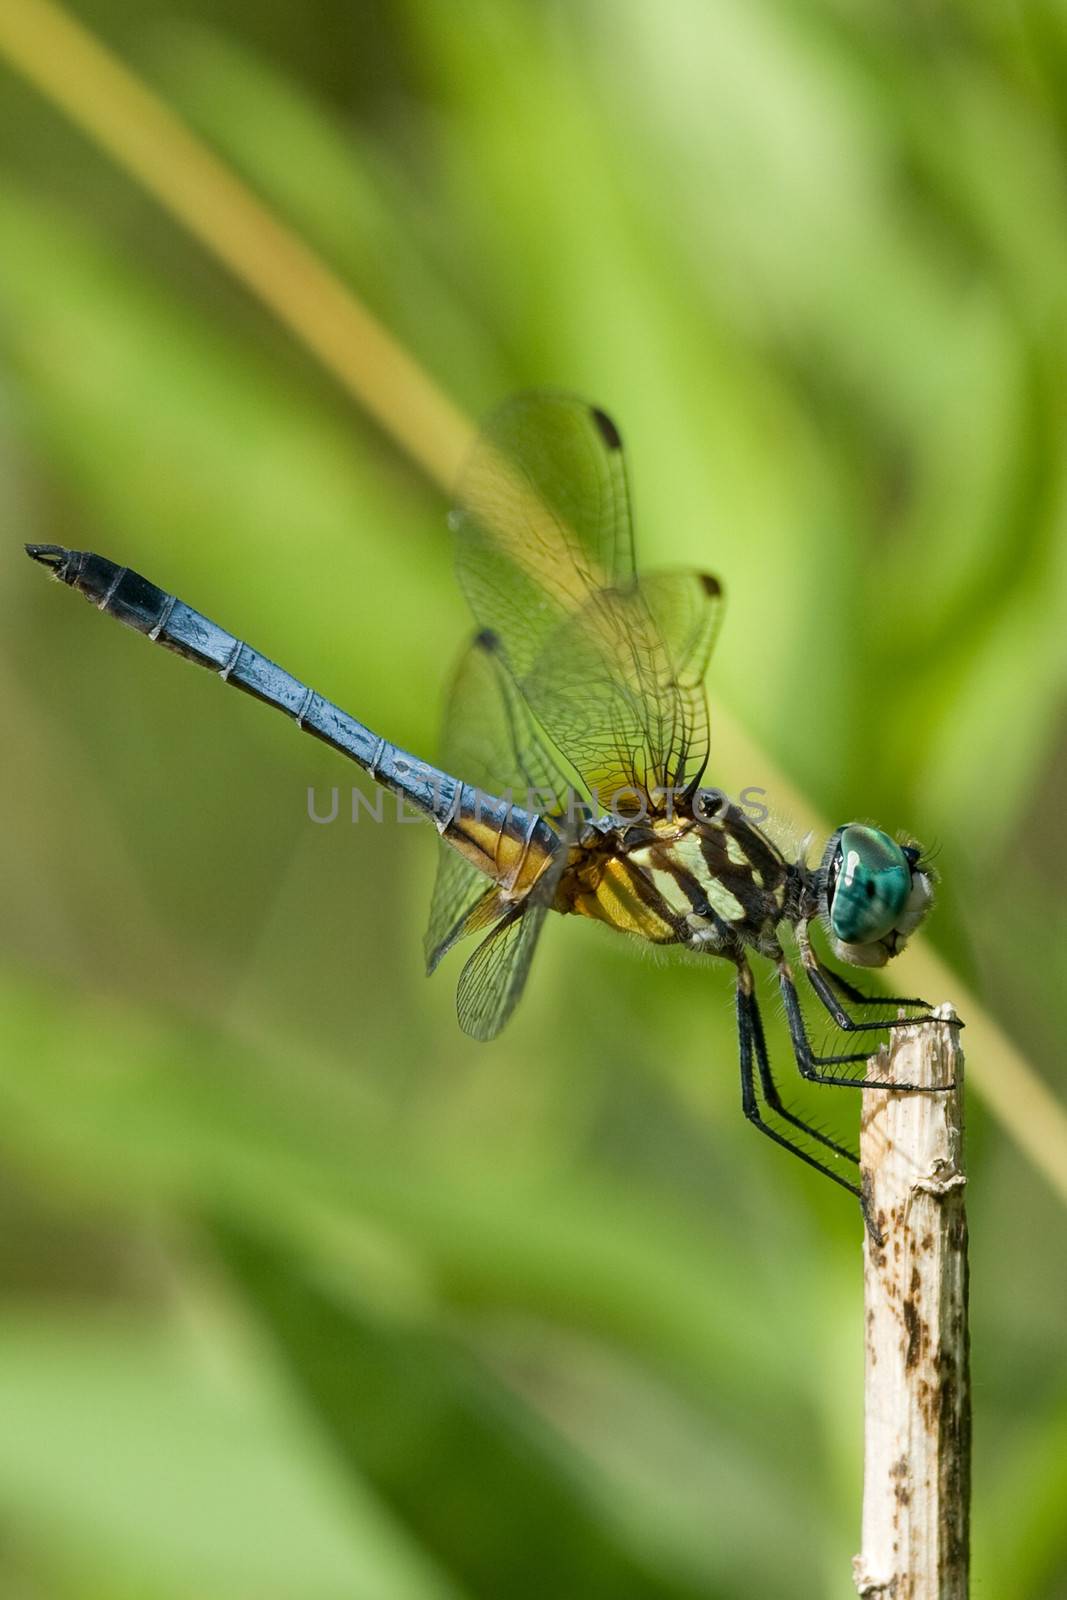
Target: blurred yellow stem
[
  {"x": 109, "y": 103},
  {"x": 104, "y": 98}
]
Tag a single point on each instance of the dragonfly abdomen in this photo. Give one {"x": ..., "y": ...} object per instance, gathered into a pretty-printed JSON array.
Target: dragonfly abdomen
[
  {"x": 507, "y": 843},
  {"x": 162, "y": 617}
]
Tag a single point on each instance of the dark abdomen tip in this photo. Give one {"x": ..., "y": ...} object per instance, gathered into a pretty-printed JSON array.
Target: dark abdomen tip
[{"x": 53, "y": 556}]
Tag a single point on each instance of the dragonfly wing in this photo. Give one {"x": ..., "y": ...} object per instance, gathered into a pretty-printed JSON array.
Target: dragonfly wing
[
  {"x": 495, "y": 975},
  {"x": 489, "y": 740},
  {"x": 461, "y": 904},
  {"x": 536, "y": 774},
  {"x": 611, "y": 668},
  {"x": 686, "y": 607},
  {"x": 542, "y": 519},
  {"x": 621, "y": 686},
  {"x": 686, "y": 611}
]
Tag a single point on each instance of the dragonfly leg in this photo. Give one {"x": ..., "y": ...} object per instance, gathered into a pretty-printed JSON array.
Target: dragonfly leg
[
  {"x": 822, "y": 980},
  {"x": 753, "y": 1054},
  {"x": 850, "y": 992},
  {"x": 811, "y": 1065}
]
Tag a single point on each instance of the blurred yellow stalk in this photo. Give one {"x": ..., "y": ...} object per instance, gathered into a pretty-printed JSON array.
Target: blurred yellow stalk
[
  {"x": 108, "y": 102},
  {"x": 79, "y": 74}
]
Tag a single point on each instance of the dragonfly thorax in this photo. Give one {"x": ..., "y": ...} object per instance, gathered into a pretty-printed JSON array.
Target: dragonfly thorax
[{"x": 714, "y": 884}]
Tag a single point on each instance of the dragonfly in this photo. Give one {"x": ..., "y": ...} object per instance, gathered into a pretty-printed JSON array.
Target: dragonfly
[{"x": 574, "y": 753}]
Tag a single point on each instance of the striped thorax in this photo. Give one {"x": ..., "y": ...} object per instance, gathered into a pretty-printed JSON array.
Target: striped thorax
[{"x": 712, "y": 883}]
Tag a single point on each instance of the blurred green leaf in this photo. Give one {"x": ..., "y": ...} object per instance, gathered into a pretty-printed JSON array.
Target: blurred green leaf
[
  {"x": 172, "y": 1480},
  {"x": 431, "y": 1429}
]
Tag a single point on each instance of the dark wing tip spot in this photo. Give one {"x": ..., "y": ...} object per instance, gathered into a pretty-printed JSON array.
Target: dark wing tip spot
[
  {"x": 711, "y": 584},
  {"x": 606, "y": 428},
  {"x": 487, "y": 640}
]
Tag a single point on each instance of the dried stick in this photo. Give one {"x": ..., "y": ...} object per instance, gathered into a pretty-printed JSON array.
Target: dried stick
[{"x": 917, "y": 1466}]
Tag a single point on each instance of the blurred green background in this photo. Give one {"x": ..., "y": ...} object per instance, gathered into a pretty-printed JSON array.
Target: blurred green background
[{"x": 303, "y": 1293}]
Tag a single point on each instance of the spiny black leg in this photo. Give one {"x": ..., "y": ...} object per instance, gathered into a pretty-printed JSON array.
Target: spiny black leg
[
  {"x": 845, "y": 1022},
  {"x": 749, "y": 1102},
  {"x": 817, "y": 977},
  {"x": 770, "y": 1088},
  {"x": 858, "y": 998},
  {"x": 809, "y": 1063}
]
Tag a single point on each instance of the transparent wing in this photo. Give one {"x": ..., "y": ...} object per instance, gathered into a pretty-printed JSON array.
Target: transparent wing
[
  {"x": 495, "y": 975},
  {"x": 489, "y": 740},
  {"x": 606, "y": 665},
  {"x": 542, "y": 518},
  {"x": 621, "y": 687},
  {"x": 462, "y": 903},
  {"x": 686, "y": 607}
]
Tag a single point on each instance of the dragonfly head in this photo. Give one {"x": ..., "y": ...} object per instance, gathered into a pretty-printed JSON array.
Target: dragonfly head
[{"x": 874, "y": 893}]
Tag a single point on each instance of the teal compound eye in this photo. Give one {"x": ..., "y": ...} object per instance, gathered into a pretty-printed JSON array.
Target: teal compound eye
[{"x": 872, "y": 884}]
